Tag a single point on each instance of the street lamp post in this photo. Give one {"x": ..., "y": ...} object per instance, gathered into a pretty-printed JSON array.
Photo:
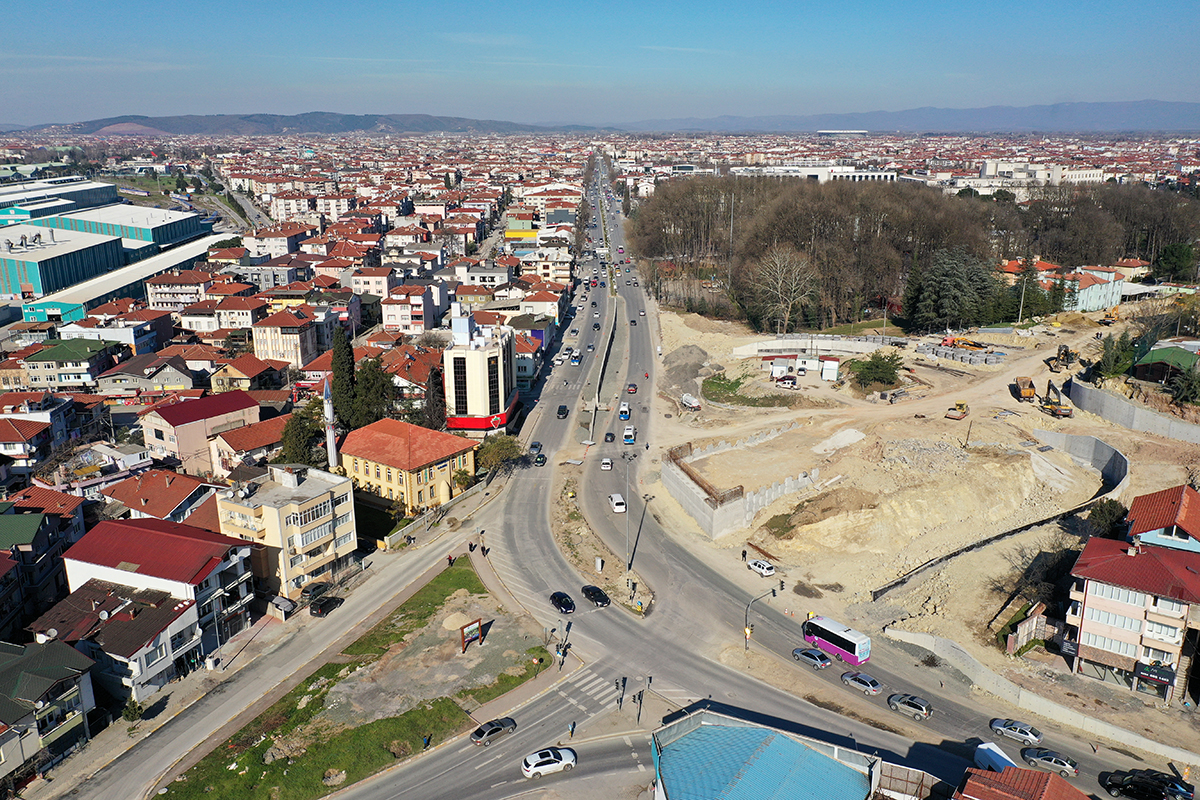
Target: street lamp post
[
  {"x": 772, "y": 593},
  {"x": 628, "y": 457}
]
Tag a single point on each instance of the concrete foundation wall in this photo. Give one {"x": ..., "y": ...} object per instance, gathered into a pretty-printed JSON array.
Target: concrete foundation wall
[
  {"x": 1111, "y": 463},
  {"x": 1130, "y": 415},
  {"x": 817, "y": 344},
  {"x": 993, "y": 684}
]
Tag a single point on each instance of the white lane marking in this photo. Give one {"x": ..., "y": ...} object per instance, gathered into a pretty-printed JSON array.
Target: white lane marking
[
  {"x": 627, "y": 742},
  {"x": 641, "y": 767}
]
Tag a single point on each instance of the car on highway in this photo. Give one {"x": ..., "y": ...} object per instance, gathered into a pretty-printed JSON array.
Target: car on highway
[
  {"x": 632, "y": 388},
  {"x": 315, "y": 589},
  {"x": 916, "y": 707},
  {"x": 811, "y": 657},
  {"x": 591, "y": 347},
  {"x": 539, "y": 460},
  {"x": 764, "y": 568},
  {"x": 322, "y": 606},
  {"x": 563, "y": 411},
  {"x": 642, "y": 313},
  {"x": 633, "y": 322},
  {"x": 595, "y": 595},
  {"x": 492, "y": 730},
  {"x": 595, "y": 326},
  {"x": 593, "y": 304},
  {"x": 603, "y": 285},
  {"x": 1050, "y": 760},
  {"x": 1135, "y": 787},
  {"x": 863, "y": 682},
  {"x": 574, "y": 331},
  {"x": 535, "y": 448},
  {"x": 1015, "y": 729},
  {"x": 610, "y": 437},
  {"x": 606, "y": 464},
  {"x": 548, "y": 761},
  {"x": 1176, "y": 787},
  {"x": 595, "y": 315},
  {"x": 562, "y": 603}
]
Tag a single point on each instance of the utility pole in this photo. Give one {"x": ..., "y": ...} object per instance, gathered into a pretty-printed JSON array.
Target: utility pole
[
  {"x": 749, "y": 629},
  {"x": 1021, "y": 307},
  {"x": 628, "y": 457}
]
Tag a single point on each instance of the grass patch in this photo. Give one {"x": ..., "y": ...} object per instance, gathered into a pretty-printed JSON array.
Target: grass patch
[
  {"x": 505, "y": 682},
  {"x": 1011, "y": 625},
  {"x": 285, "y": 715},
  {"x": 417, "y": 610},
  {"x": 723, "y": 389},
  {"x": 874, "y": 325},
  {"x": 779, "y": 525},
  {"x": 360, "y": 751},
  {"x": 1032, "y": 643}
]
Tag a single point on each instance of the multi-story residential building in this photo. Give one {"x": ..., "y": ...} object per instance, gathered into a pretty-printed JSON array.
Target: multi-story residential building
[
  {"x": 287, "y": 335},
  {"x": 279, "y": 240},
  {"x": 72, "y": 364},
  {"x": 248, "y": 373},
  {"x": 1134, "y": 618},
  {"x": 65, "y": 510},
  {"x": 142, "y": 331},
  {"x": 58, "y": 412},
  {"x": 27, "y": 443},
  {"x": 479, "y": 376},
  {"x": 45, "y": 700},
  {"x": 378, "y": 281},
  {"x": 91, "y": 468},
  {"x": 158, "y": 494},
  {"x": 269, "y": 274},
  {"x": 35, "y": 542},
  {"x": 528, "y": 358},
  {"x": 410, "y": 310},
  {"x": 146, "y": 373},
  {"x": 176, "y": 292},
  {"x": 120, "y": 563},
  {"x": 396, "y": 461},
  {"x": 247, "y": 446},
  {"x": 182, "y": 430},
  {"x": 301, "y": 521}
]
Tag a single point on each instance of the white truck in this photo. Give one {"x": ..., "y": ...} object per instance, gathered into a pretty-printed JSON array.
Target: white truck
[{"x": 990, "y": 756}]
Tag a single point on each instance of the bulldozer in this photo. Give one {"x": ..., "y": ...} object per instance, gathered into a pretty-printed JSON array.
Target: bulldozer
[
  {"x": 1054, "y": 403},
  {"x": 959, "y": 411}
]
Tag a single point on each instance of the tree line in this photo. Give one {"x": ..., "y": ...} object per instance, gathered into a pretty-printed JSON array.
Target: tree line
[{"x": 856, "y": 244}]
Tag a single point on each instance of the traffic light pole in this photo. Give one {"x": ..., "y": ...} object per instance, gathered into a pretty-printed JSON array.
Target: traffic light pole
[{"x": 749, "y": 629}]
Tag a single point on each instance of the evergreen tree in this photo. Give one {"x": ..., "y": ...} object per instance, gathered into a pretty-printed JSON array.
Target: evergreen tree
[
  {"x": 299, "y": 435},
  {"x": 374, "y": 394},
  {"x": 344, "y": 380},
  {"x": 1057, "y": 295}
]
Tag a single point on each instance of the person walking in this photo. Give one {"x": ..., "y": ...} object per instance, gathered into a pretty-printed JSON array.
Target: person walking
[
  {"x": 743, "y": 555},
  {"x": 571, "y": 730},
  {"x": 450, "y": 560}
]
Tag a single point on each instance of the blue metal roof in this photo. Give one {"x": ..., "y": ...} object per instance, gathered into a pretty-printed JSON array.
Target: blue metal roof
[{"x": 718, "y": 762}]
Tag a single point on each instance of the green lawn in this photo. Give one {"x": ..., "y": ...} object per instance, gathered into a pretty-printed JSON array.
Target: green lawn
[
  {"x": 722, "y": 389},
  {"x": 870, "y": 326},
  {"x": 414, "y": 613}
]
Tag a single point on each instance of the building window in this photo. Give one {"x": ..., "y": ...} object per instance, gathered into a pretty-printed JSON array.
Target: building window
[
  {"x": 356, "y": 465},
  {"x": 389, "y": 474},
  {"x": 1117, "y": 593},
  {"x": 376, "y": 470},
  {"x": 345, "y": 498},
  {"x": 1153, "y": 654},
  {"x": 1166, "y": 606},
  {"x": 1111, "y": 645},
  {"x": 156, "y": 655},
  {"x": 460, "y": 385},
  {"x": 493, "y": 368},
  {"x": 310, "y": 515},
  {"x": 343, "y": 540},
  {"x": 1109, "y": 618},
  {"x": 1165, "y": 633}
]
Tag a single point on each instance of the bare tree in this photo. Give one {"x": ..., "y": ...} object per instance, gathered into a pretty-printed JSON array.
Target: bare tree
[{"x": 787, "y": 280}]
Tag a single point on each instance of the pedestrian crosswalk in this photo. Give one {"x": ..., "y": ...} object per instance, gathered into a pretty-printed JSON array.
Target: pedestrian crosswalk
[{"x": 592, "y": 692}]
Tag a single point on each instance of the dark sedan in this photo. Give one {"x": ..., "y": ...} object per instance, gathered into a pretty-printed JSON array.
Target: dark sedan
[
  {"x": 324, "y": 605},
  {"x": 562, "y": 603},
  {"x": 595, "y": 595}
]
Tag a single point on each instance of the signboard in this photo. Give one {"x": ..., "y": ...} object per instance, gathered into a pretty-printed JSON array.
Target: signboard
[
  {"x": 1148, "y": 672},
  {"x": 471, "y": 632},
  {"x": 1069, "y": 648}
]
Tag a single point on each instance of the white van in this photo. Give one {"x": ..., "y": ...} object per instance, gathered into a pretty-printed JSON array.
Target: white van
[
  {"x": 623, "y": 411},
  {"x": 617, "y": 503},
  {"x": 630, "y": 435}
]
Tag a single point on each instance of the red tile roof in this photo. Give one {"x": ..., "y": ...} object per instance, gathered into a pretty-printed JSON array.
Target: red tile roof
[
  {"x": 286, "y": 318},
  {"x": 156, "y": 492},
  {"x": 47, "y": 501},
  {"x": 251, "y": 365},
  {"x": 21, "y": 430},
  {"x": 166, "y": 550},
  {"x": 403, "y": 446},
  {"x": 1179, "y": 505},
  {"x": 206, "y": 407},
  {"x": 1015, "y": 783},
  {"x": 260, "y": 434},
  {"x": 1160, "y": 571}
]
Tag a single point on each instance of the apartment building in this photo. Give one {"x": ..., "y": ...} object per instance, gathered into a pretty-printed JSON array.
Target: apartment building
[
  {"x": 182, "y": 430},
  {"x": 479, "y": 377},
  {"x": 175, "y": 292},
  {"x": 396, "y": 461},
  {"x": 279, "y": 240},
  {"x": 287, "y": 335},
  {"x": 1134, "y": 616},
  {"x": 72, "y": 364},
  {"x": 410, "y": 310},
  {"x": 301, "y": 521}
]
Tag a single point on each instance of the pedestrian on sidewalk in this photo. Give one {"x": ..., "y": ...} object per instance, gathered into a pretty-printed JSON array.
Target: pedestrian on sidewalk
[
  {"x": 450, "y": 560},
  {"x": 743, "y": 555},
  {"x": 571, "y": 730}
]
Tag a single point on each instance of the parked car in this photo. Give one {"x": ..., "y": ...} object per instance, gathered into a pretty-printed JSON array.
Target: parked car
[
  {"x": 632, "y": 388},
  {"x": 539, "y": 460},
  {"x": 314, "y": 590},
  {"x": 916, "y": 707},
  {"x": 1042, "y": 758},
  {"x": 548, "y": 761},
  {"x": 642, "y": 313},
  {"x": 1015, "y": 729},
  {"x": 595, "y": 595},
  {"x": 763, "y": 568},
  {"x": 322, "y": 606},
  {"x": 1135, "y": 787},
  {"x": 492, "y": 730},
  {"x": 535, "y": 447},
  {"x": 811, "y": 657},
  {"x": 1177, "y": 787},
  {"x": 863, "y": 682},
  {"x": 606, "y": 464},
  {"x": 562, "y": 603},
  {"x": 610, "y": 437}
]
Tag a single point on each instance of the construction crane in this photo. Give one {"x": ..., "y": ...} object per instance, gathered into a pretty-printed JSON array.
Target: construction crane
[{"x": 1055, "y": 403}]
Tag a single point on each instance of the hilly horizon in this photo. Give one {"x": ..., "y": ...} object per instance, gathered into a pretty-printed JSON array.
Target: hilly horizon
[{"x": 1107, "y": 117}]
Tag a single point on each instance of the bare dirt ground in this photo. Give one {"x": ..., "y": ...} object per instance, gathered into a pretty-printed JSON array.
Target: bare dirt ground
[{"x": 907, "y": 485}]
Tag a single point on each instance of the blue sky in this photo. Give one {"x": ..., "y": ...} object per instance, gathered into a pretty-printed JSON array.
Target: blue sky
[{"x": 591, "y": 63}]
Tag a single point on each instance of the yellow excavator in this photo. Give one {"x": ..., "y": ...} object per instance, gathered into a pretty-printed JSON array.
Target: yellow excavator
[
  {"x": 1111, "y": 316},
  {"x": 1054, "y": 403}
]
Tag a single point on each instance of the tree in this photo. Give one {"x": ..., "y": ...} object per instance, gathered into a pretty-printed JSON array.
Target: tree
[
  {"x": 343, "y": 388},
  {"x": 1116, "y": 356},
  {"x": 1176, "y": 262},
  {"x": 374, "y": 394},
  {"x": 133, "y": 711},
  {"x": 786, "y": 280},
  {"x": 968, "y": 192},
  {"x": 1003, "y": 196},
  {"x": 497, "y": 450},
  {"x": 300, "y": 435},
  {"x": 236, "y": 241},
  {"x": 180, "y": 182},
  {"x": 197, "y": 184},
  {"x": 1185, "y": 386},
  {"x": 1107, "y": 518},
  {"x": 879, "y": 368},
  {"x": 463, "y": 479}
]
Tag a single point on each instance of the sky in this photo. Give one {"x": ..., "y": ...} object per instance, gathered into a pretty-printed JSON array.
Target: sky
[{"x": 588, "y": 63}]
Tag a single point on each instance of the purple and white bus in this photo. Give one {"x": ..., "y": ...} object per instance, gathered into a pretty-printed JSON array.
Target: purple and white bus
[{"x": 844, "y": 644}]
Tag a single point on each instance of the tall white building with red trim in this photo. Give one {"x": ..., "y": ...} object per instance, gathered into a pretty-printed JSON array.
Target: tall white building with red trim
[{"x": 480, "y": 376}]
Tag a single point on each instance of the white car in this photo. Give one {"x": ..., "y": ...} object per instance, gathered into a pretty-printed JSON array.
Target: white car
[
  {"x": 642, "y": 313},
  {"x": 550, "y": 760},
  {"x": 763, "y": 568},
  {"x": 606, "y": 464}
]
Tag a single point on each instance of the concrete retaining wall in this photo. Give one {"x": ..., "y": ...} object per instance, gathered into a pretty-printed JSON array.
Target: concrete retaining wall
[
  {"x": 1111, "y": 463},
  {"x": 817, "y": 344},
  {"x": 988, "y": 681},
  {"x": 1130, "y": 415}
]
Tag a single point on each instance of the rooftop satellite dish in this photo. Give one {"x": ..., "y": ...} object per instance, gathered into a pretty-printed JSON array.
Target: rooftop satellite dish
[
  {"x": 103, "y": 615},
  {"x": 52, "y": 633}
]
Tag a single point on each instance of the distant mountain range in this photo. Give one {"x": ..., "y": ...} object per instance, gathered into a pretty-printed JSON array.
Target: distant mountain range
[
  {"x": 1131, "y": 117},
  {"x": 260, "y": 124},
  {"x": 5, "y": 127},
  {"x": 1139, "y": 116}
]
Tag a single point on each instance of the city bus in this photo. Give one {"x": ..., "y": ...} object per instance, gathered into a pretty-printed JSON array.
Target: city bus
[{"x": 844, "y": 644}]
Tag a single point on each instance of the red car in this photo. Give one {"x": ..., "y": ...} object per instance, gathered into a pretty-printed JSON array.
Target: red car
[{"x": 632, "y": 388}]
